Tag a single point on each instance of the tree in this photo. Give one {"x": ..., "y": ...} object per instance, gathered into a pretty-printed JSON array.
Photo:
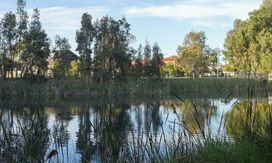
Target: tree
[
  {"x": 2, "y": 53},
  {"x": 112, "y": 58},
  {"x": 248, "y": 44},
  {"x": 75, "y": 68},
  {"x": 8, "y": 33},
  {"x": 156, "y": 62},
  {"x": 61, "y": 43},
  {"x": 147, "y": 59},
  {"x": 62, "y": 46},
  {"x": 22, "y": 29},
  {"x": 213, "y": 58},
  {"x": 140, "y": 53},
  {"x": 37, "y": 47},
  {"x": 22, "y": 20},
  {"x": 138, "y": 63},
  {"x": 193, "y": 56},
  {"x": 84, "y": 39},
  {"x": 236, "y": 45}
]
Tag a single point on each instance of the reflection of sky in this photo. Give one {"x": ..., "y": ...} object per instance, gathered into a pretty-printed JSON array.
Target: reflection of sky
[
  {"x": 165, "y": 115},
  {"x": 222, "y": 109}
]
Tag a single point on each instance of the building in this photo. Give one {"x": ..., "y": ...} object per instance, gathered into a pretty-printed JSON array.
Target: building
[
  {"x": 170, "y": 60},
  {"x": 66, "y": 56}
]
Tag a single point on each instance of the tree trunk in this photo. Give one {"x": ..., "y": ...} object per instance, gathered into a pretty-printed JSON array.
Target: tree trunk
[
  {"x": 101, "y": 78},
  {"x": 4, "y": 74}
]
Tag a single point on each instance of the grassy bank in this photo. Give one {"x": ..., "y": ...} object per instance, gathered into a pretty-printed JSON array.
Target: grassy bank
[{"x": 65, "y": 88}]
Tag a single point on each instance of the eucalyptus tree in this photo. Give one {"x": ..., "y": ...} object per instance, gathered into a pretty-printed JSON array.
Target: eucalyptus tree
[
  {"x": 84, "y": 39},
  {"x": 13, "y": 31},
  {"x": 37, "y": 47},
  {"x": 61, "y": 43},
  {"x": 22, "y": 20},
  {"x": 61, "y": 65},
  {"x": 248, "y": 44},
  {"x": 22, "y": 30},
  {"x": 140, "y": 53},
  {"x": 113, "y": 53},
  {"x": 213, "y": 58},
  {"x": 2, "y": 53},
  {"x": 147, "y": 52},
  {"x": 193, "y": 56},
  {"x": 156, "y": 63},
  {"x": 138, "y": 63},
  {"x": 8, "y": 34},
  {"x": 147, "y": 59}
]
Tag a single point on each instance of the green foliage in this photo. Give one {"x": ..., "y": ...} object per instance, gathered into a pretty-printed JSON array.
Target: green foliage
[
  {"x": 172, "y": 70},
  {"x": 229, "y": 68},
  {"x": 8, "y": 37},
  {"x": 61, "y": 50},
  {"x": 266, "y": 65},
  {"x": 137, "y": 66},
  {"x": 84, "y": 39},
  {"x": 249, "y": 43},
  {"x": 58, "y": 69},
  {"x": 37, "y": 47},
  {"x": 156, "y": 62},
  {"x": 149, "y": 64},
  {"x": 22, "y": 20},
  {"x": 147, "y": 59},
  {"x": 113, "y": 56},
  {"x": 193, "y": 55},
  {"x": 75, "y": 68},
  {"x": 110, "y": 41},
  {"x": 61, "y": 43}
]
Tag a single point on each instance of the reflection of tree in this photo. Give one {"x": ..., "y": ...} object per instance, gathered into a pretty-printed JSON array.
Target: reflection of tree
[
  {"x": 156, "y": 118},
  {"x": 139, "y": 120},
  {"x": 34, "y": 128},
  {"x": 63, "y": 116},
  {"x": 84, "y": 144},
  {"x": 112, "y": 129},
  {"x": 247, "y": 119},
  {"x": 60, "y": 132},
  {"x": 104, "y": 129},
  {"x": 195, "y": 113}
]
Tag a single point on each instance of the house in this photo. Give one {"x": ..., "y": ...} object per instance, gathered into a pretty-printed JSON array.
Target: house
[
  {"x": 170, "y": 68},
  {"x": 270, "y": 76},
  {"x": 170, "y": 60},
  {"x": 65, "y": 56}
]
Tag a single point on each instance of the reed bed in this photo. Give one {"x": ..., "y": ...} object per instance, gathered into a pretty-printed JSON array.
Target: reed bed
[{"x": 77, "y": 88}]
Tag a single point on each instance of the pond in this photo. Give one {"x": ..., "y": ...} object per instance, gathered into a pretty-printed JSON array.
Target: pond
[{"x": 109, "y": 131}]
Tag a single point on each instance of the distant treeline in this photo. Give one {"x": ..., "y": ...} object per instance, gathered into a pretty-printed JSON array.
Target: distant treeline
[
  {"x": 104, "y": 46},
  {"x": 106, "y": 52}
]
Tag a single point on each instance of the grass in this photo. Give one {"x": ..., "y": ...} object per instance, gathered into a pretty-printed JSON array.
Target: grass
[{"x": 77, "y": 88}]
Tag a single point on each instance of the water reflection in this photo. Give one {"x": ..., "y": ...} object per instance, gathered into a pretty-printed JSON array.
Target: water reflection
[
  {"x": 101, "y": 131},
  {"x": 250, "y": 118}
]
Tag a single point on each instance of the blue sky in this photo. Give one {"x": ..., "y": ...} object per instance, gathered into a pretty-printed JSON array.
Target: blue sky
[{"x": 164, "y": 21}]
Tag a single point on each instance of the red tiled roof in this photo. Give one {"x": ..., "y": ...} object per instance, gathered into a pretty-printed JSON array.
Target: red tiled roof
[{"x": 169, "y": 59}]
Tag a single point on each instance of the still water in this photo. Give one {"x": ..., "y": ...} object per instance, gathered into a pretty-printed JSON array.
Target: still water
[{"x": 92, "y": 130}]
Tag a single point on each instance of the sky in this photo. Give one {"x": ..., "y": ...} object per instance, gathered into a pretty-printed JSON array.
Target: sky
[{"x": 164, "y": 21}]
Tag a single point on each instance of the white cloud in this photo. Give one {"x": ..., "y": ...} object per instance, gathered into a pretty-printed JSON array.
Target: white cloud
[
  {"x": 210, "y": 23},
  {"x": 63, "y": 19},
  {"x": 198, "y": 10}
]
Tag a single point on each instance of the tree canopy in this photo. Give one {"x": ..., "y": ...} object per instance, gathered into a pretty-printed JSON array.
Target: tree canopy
[
  {"x": 193, "y": 54},
  {"x": 248, "y": 44}
]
